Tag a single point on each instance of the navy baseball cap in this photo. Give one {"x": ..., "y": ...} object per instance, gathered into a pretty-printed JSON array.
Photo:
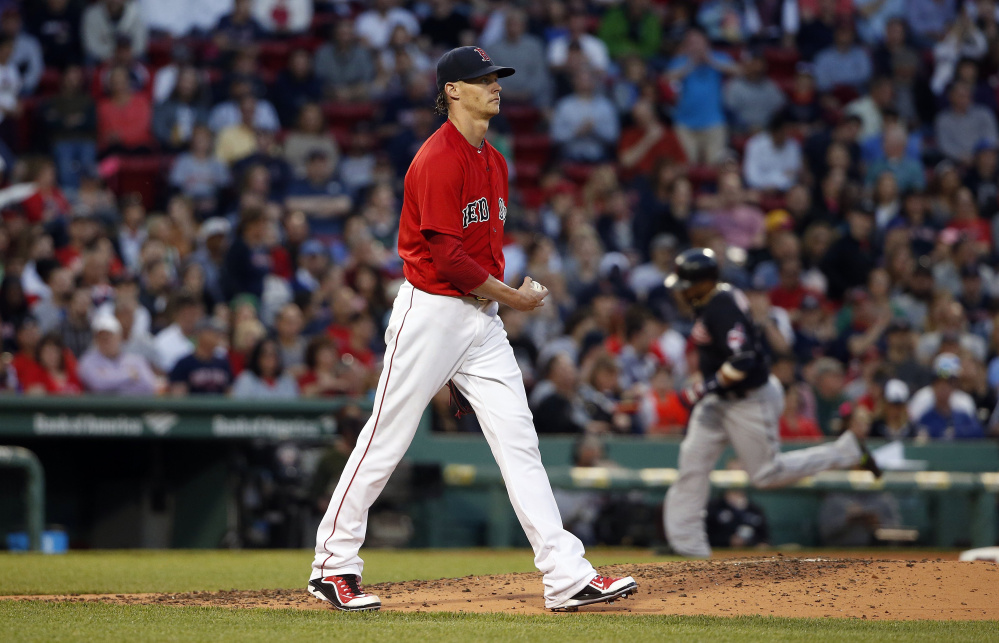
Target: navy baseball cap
[{"x": 466, "y": 63}]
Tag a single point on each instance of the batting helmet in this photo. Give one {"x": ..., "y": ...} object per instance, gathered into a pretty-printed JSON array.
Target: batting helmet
[{"x": 693, "y": 266}]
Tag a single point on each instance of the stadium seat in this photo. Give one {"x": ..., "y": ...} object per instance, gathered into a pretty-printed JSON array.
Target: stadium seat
[
  {"x": 577, "y": 172},
  {"x": 523, "y": 118},
  {"x": 347, "y": 115},
  {"x": 701, "y": 177},
  {"x": 159, "y": 52},
  {"x": 535, "y": 148},
  {"x": 781, "y": 63},
  {"x": 49, "y": 83},
  {"x": 143, "y": 174}
]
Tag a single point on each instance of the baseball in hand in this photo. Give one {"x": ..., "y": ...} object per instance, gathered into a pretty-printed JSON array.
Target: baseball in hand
[{"x": 537, "y": 286}]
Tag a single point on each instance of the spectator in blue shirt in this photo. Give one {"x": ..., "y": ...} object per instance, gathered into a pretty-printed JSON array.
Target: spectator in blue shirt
[
  {"x": 845, "y": 63},
  {"x": 945, "y": 420},
  {"x": 321, "y": 197},
  {"x": 929, "y": 20},
  {"x": 908, "y": 172},
  {"x": 203, "y": 372},
  {"x": 698, "y": 117}
]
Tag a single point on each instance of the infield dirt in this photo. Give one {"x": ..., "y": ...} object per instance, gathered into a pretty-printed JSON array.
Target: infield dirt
[{"x": 878, "y": 589}]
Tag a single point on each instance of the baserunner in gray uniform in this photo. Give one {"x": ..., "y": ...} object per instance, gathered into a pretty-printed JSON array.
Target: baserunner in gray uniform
[{"x": 737, "y": 402}]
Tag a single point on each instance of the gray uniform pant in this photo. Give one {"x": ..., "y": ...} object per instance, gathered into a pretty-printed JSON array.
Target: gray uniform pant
[{"x": 750, "y": 424}]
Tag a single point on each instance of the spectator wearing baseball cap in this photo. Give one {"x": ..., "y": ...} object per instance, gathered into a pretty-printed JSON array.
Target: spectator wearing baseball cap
[
  {"x": 106, "y": 368},
  {"x": 941, "y": 410},
  {"x": 203, "y": 372},
  {"x": 893, "y": 423}
]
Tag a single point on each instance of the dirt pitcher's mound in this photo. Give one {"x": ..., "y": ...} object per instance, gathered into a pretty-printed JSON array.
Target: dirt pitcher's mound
[{"x": 776, "y": 586}]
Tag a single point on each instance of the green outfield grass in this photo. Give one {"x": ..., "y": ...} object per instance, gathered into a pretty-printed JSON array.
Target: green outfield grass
[
  {"x": 95, "y": 622},
  {"x": 177, "y": 571}
]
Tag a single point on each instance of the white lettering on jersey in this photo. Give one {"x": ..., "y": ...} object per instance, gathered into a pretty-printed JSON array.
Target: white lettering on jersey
[
  {"x": 475, "y": 212},
  {"x": 502, "y": 209},
  {"x": 736, "y": 337}
]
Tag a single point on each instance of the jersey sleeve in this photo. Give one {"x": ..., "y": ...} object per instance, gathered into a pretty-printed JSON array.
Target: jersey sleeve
[
  {"x": 729, "y": 325},
  {"x": 438, "y": 189}
]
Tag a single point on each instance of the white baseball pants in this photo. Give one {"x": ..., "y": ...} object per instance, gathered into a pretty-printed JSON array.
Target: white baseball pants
[
  {"x": 431, "y": 339},
  {"x": 751, "y": 425}
]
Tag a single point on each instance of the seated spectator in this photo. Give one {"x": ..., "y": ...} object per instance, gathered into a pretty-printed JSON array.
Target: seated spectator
[
  {"x": 698, "y": 117},
  {"x": 175, "y": 341},
  {"x": 324, "y": 375},
  {"x": 893, "y": 422},
  {"x": 522, "y": 50},
  {"x": 584, "y": 124},
  {"x": 54, "y": 374},
  {"x": 941, "y": 411},
  {"x": 646, "y": 143},
  {"x": 660, "y": 408},
  {"x": 631, "y": 27},
  {"x": 446, "y": 24},
  {"x": 231, "y": 112},
  {"x": 845, "y": 64},
  {"x": 237, "y": 142},
  {"x": 803, "y": 107},
  {"x": 27, "y": 55},
  {"x": 773, "y": 159},
  {"x": 74, "y": 330},
  {"x": 50, "y": 309},
  {"x": 556, "y": 403},
  {"x": 313, "y": 266},
  {"x": 375, "y": 26},
  {"x": 138, "y": 74},
  {"x": 291, "y": 344},
  {"x": 238, "y": 29},
  {"x": 344, "y": 66},
  {"x": 48, "y": 205},
  {"x": 56, "y": 24},
  {"x": 818, "y": 28},
  {"x": 733, "y": 520},
  {"x": 295, "y": 86},
  {"x": 264, "y": 376},
  {"x": 874, "y": 16},
  {"x": 739, "y": 222},
  {"x": 963, "y": 125},
  {"x": 593, "y": 49},
  {"x": 107, "y": 368},
  {"x": 851, "y": 257},
  {"x": 963, "y": 41},
  {"x": 983, "y": 177},
  {"x": 106, "y": 21},
  {"x": 311, "y": 133},
  {"x": 753, "y": 99},
  {"x": 950, "y": 326},
  {"x": 908, "y": 172},
  {"x": 203, "y": 371},
  {"x": 248, "y": 259},
  {"x": 269, "y": 154},
  {"x": 724, "y": 21},
  {"x": 795, "y": 422},
  {"x": 401, "y": 58},
  {"x": 321, "y": 197},
  {"x": 827, "y": 380},
  {"x": 198, "y": 175},
  {"x": 886, "y": 200},
  {"x": 70, "y": 119},
  {"x": 175, "y": 118},
  {"x": 874, "y": 107},
  {"x": 213, "y": 242},
  {"x": 967, "y": 223},
  {"x": 929, "y": 20},
  {"x": 247, "y": 331},
  {"x": 124, "y": 118}
]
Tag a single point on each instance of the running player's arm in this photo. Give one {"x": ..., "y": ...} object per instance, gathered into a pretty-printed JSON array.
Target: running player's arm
[{"x": 732, "y": 327}]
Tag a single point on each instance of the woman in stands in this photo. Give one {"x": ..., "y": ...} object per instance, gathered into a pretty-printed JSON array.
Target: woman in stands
[
  {"x": 264, "y": 377},
  {"x": 56, "y": 375}
]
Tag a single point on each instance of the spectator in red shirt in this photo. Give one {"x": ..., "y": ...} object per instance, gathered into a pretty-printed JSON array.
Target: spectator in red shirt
[
  {"x": 54, "y": 375},
  {"x": 967, "y": 221},
  {"x": 83, "y": 231},
  {"x": 322, "y": 378},
  {"x": 789, "y": 291},
  {"x": 48, "y": 202},
  {"x": 124, "y": 118},
  {"x": 795, "y": 425},
  {"x": 642, "y": 145}
]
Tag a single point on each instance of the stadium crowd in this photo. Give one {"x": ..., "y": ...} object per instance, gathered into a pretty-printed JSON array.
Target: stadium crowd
[{"x": 203, "y": 197}]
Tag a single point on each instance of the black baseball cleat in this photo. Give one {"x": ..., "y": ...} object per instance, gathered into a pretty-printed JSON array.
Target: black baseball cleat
[
  {"x": 344, "y": 593},
  {"x": 867, "y": 461},
  {"x": 599, "y": 590}
]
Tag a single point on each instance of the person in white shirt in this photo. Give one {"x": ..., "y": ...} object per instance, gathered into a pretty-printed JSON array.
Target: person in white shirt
[
  {"x": 283, "y": 16},
  {"x": 585, "y": 126},
  {"x": 375, "y": 26},
  {"x": 10, "y": 80},
  {"x": 772, "y": 158},
  {"x": 106, "y": 368},
  {"x": 174, "y": 342},
  {"x": 593, "y": 48}
]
